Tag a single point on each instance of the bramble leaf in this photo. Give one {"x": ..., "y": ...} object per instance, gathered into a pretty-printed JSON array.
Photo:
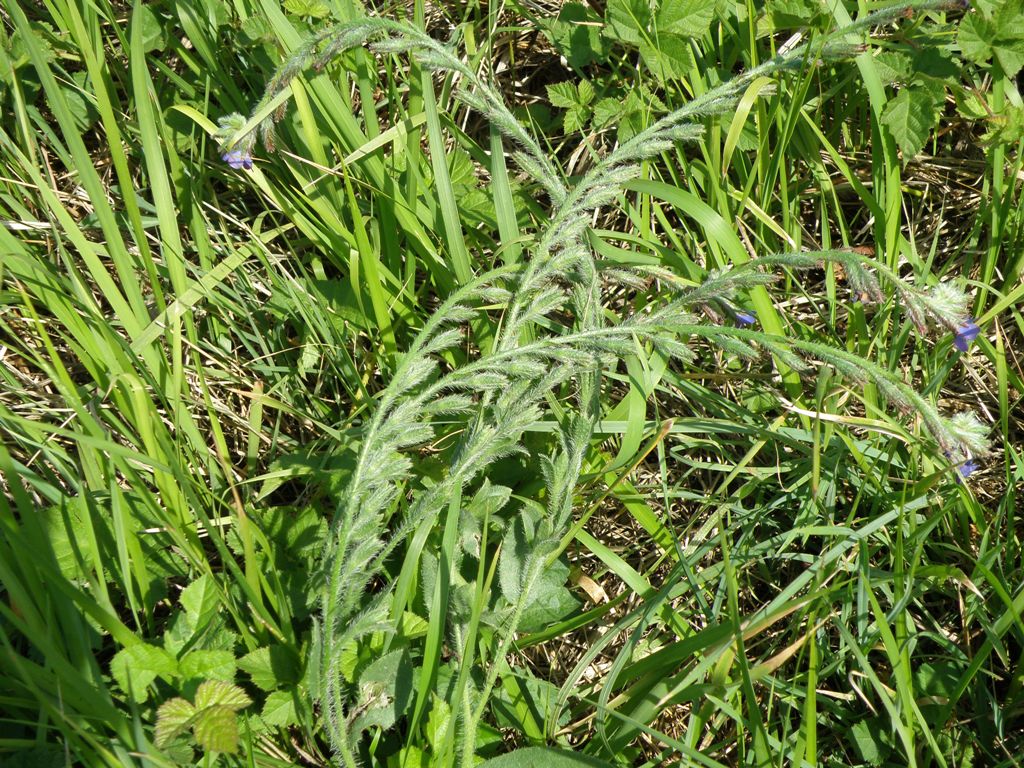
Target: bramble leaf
[
  {"x": 669, "y": 59},
  {"x": 218, "y": 665},
  {"x": 684, "y": 18},
  {"x": 173, "y": 718},
  {"x": 910, "y": 117},
  {"x": 627, "y": 20},
  {"x": 136, "y": 666},
  {"x": 575, "y": 32},
  {"x": 575, "y": 119},
  {"x": 279, "y": 709},
  {"x": 216, "y": 730},
  {"x": 316, "y": 9},
  {"x": 563, "y": 95},
  {"x": 217, "y": 693},
  {"x": 271, "y": 667}
]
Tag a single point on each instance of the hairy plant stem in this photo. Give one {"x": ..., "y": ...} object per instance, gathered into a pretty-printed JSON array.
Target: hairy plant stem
[{"x": 560, "y": 258}]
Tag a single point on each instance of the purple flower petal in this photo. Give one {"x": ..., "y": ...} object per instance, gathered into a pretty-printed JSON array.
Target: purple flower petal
[
  {"x": 966, "y": 332},
  {"x": 744, "y": 318},
  {"x": 968, "y": 467},
  {"x": 237, "y": 159}
]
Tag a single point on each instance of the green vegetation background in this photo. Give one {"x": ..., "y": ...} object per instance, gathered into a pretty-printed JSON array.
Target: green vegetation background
[{"x": 773, "y": 570}]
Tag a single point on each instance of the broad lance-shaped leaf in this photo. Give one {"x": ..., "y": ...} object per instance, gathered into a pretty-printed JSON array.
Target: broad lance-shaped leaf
[
  {"x": 516, "y": 547},
  {"x": 200, "y": 599},
  {"x": 544, "y": 757},
  {"x": 910, "y": 117},
  {"x": 386, "y": 691}
]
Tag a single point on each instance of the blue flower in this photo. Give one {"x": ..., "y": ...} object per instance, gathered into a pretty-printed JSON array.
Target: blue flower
[
  {"x": 968, "y": 467},
  {"x": 744, "y": 318},
  {"x": 238, "y": 159},
  {"x": 966, "y": 332}
]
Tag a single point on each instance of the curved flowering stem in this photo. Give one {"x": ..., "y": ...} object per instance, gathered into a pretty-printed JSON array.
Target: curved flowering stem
[
  {"x": 503, "y": 391},
  {"x": 388, "y": 36}
]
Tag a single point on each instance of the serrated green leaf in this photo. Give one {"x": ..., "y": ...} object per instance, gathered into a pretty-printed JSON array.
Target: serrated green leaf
[
  {"x": 279, "y": 709},
  {"x": 970, "y": 104},
  {"x": 271, "y": 667},
  {"x": 633, "y": 112},
  {"x": 216, "y": 730},
  {"x": 575, "y": 33},
  {"x": 684, "y": 18},
  {"x": 461, "y": 170},
  {"x": 82, "y": 108},
  {"x": 173, "y": 718},
  {"x": 208, "y": 665},
  {"x": 19, "y": 54},
  {"x": 562, "y": 95},
  {"x": 605, "y": 111},
  {"x": 893, "y": 66},
  {"x": 974, "y": 37},
  {"x": 217, "y": 12},
  {"x": 670, "y": 59},
  {"x": 217, "y": 693},
  {"x": 627, "y": 20},
  {"x": 870, "y": 741},
  {"x": 910, "y": 117},
  {"x": 348, "y": 661},
  {"x": 489, "y": 500},
  {"x": 1009, "y": 17},
  {"x": 787, "y": 14},
  {"x": 585, "y": 92},
  {"x": 135, "y": 667},
  {"x": 316, "y": 9},
  {"x": 1008, "y": 126},
  {"x": 575, "y": 118},
  {"x": 71, "y": 553},
  {"x": 178, "y": 633},
  {"x": 932, "y": 61},
  {"x": 937, "y": 679},
  {"x": 550, "y": 599},
  {"x": 1010, "y": 55}
]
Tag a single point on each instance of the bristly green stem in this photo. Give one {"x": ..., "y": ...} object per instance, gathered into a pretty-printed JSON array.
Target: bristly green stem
[{"x": 561, "y": 257}]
